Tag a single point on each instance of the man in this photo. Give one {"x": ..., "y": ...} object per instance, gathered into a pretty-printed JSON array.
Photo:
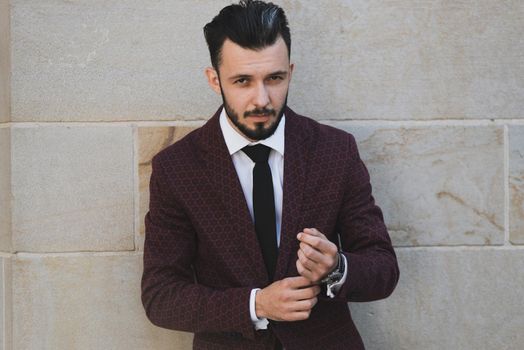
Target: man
[{"x": 262, "y": 225}]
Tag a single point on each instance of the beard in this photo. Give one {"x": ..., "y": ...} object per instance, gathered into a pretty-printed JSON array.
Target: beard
[{"x": 260, "y": 132}]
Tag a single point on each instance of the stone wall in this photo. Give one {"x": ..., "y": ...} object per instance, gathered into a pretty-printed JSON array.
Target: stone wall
[
  {"x": 91, "y": 90},
  {"x": 5, "y": 181}
]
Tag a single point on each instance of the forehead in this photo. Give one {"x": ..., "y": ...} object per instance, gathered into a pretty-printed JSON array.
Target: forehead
[{"x": 238, "y": 60}]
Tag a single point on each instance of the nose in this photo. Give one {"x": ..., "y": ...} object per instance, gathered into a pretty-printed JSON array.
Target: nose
[{"x": 261, "y": 97}]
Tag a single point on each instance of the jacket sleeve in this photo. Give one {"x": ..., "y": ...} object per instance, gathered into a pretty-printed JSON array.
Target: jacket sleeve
[
  {"x": 170, "y": 294},
  {"x": 372, "y": 267}
]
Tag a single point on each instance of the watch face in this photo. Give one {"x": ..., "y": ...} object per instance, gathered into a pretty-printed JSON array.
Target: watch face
[
  {"x": 336, "y": 276},
  {"x": 332, "y": 278}
]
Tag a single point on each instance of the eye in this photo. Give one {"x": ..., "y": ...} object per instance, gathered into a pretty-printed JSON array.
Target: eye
[
  {"x": 275, "y": 79},
  {"x": 241, "y": 81}
]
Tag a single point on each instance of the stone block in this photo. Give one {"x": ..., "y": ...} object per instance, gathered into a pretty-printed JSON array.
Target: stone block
[
  {"x": 127, "y": 60},
  {"x": 5, "y": 303},
  {"x": 516, "y": 184},
  {"x": 111, "y": 60},
  {"x": 84, "y": 302},
  {"x": 449, "y": 298},
  {"x": 407, "y": 59},
  {"x": 437, "y": 185},
  {"x": 5, "y": 63},
  {"x": 72, "y": 188},
  {"x": 5, "y": 189},
  {"x": 152, "y": 140}
]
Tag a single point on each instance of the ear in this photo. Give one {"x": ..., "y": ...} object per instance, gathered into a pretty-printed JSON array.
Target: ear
[
  {"x": 212, "y": 79},
  {"x": 291, "y": 68}
]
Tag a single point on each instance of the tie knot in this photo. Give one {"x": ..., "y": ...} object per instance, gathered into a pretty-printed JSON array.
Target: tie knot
[{"x": 258, "y": 153}]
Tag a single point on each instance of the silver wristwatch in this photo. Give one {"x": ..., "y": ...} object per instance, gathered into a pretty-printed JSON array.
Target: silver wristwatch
[{"x": 335, "y": 275}]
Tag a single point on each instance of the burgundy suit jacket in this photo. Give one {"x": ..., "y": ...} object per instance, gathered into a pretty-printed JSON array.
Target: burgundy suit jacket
[{"x": 201, "y": 254}]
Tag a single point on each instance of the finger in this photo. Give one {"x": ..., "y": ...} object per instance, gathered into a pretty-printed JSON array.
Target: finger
[
  {"x": 306, "y": 293},
  {"x": 308, "y": 264},
  {"x": 314, "y": 232},
  {"x": 298, "y": 316},
  {"x": 296, "y": 282},
  {"x": 309, "y": 239},
  {"x": 313, "y": 266},
  {"x": 304, "y": 272},
  {"x": 312, "y": 254},
  {"x": 321, "y": 244},
  {"x": 304, "y": 305},
  {"x": 308, "y": 289},
  {"x": 312, "y": 240},
  {"x": 317, "y": 261}
]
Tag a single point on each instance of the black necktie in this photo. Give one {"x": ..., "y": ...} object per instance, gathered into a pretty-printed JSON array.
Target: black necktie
[{"x": 264, "y": 205}]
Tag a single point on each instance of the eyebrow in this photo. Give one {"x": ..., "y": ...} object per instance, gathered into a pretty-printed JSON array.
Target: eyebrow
[
  {"x": 279, "y": 72},
  {"x": 246, "y": 76}
]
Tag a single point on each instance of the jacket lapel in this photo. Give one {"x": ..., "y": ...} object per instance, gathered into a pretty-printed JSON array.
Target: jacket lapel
[
  {"x": 221, "y": 172},
  {"x": 296, "y": 154}
]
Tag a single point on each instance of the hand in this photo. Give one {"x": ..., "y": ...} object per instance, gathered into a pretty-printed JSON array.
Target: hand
[
  {"x": 290, "y": 299},
  {"x": 317, "y": 256}
]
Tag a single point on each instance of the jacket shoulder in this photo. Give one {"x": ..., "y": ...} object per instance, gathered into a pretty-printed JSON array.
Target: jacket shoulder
[
  {"x": 179, "y": 153},
  {"x": 325, "y": 137}
]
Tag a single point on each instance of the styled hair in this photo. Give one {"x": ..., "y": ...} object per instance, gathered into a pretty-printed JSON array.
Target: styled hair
[{"x": 251, "y": 24}]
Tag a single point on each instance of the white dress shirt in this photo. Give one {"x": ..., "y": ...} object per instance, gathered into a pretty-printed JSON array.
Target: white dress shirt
[
  {"x": 244, "y": 165},
  {"x": 244, "y": 168}
]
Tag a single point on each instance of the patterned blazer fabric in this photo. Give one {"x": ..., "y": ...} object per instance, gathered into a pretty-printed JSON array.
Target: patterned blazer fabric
[{"x": 202, "y": 258}]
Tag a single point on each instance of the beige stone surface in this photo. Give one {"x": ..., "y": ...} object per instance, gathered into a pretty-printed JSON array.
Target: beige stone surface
[
  {"x": 516, "y": 183},
  {"x": 84, "y": 302},
  {"x": 5, "y": 303},
  {"x": 467, "y": 299},
  {"x": 408, "y": 59},
  {"x": 4, "y": 62},
  {"x": 5, "y": 190},
  {"x": 103, "y": 60},
  {"x": 72, "y": 188},
  {"x": 152, "y": 140},
  {"x": 437, "y": 185},
  {"x": 111, "y": 60}
]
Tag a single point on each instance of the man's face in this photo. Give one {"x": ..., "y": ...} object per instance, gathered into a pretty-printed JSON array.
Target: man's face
[{"x": 254, "y": 86}]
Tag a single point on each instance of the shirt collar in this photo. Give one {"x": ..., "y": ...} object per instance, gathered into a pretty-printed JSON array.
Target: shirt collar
[{"x": 236, "y": 141}]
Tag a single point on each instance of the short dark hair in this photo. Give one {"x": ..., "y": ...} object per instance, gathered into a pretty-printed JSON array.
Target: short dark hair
[{"x": 252, "y": 24}]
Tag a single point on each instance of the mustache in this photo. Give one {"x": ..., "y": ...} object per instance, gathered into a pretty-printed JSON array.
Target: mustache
[{"x": 260, "y": 111}]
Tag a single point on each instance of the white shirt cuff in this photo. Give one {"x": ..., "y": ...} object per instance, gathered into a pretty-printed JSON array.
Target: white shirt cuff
[
  {"x": 335, "y": 287},
  {"x": 259, "y": 323}
]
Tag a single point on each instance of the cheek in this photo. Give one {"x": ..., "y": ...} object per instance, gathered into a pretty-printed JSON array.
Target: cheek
[
  {"x": 278, "y": 94},
  {"x": 238, "y": 99}
]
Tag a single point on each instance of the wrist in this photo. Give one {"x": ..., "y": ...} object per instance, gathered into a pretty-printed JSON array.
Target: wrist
[
  {"x": 336, "y": 273},
  {"x": 337, "y": 278},
  {"x": 259, "y": 308},
  {"x": 338, "y": 259},
  {"x": 335, "y": 267}
]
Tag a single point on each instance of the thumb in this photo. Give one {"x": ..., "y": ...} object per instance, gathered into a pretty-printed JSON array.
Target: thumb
[{"x": 298, "y": 282}]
